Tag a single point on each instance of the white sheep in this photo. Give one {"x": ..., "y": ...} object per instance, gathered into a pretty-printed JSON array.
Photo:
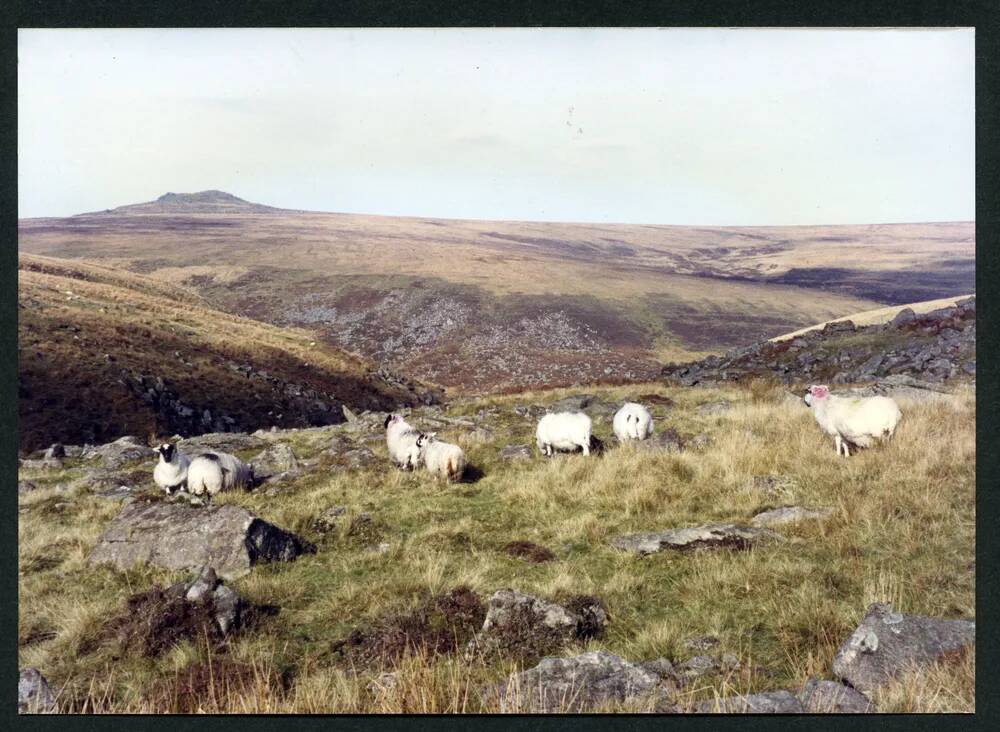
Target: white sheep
[
  {"x": 632, "y": 422},
  {"x": 854, "y": 421},
  {"x": 170, "y": 472},
  {"x": 401, "y": 439},
  {"x": 443, "y": 459},
  {"x": 213, "y": 472},
  {"x": 563, "y": 431}
]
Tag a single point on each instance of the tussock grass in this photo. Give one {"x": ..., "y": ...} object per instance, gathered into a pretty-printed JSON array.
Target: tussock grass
[{"x": 902, "y": 530}]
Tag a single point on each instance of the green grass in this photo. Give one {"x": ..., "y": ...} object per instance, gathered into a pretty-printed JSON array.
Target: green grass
[{"x": 902, "y": 531}]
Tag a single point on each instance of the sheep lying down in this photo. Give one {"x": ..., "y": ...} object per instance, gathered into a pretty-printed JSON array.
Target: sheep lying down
[
  {"x": 853, "y": 421},
  {"x": 214, "y": 472}
]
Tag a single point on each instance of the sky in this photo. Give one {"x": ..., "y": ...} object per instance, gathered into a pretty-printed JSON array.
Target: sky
[{"x": 657, "y": 126}]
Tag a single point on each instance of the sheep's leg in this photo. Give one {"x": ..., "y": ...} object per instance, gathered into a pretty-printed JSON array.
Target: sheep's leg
[
  {"x": 839, "y": 444},
  {"x": 586, "y": 449}
]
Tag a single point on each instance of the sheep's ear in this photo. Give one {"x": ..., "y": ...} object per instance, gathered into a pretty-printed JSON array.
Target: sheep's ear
[{"x": 821, "y": 391}]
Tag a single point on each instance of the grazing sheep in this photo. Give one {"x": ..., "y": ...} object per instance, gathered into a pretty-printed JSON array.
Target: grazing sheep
[
  {"x": 632, "y": 422},
  {"x": 856, "y": 421},
  {"x": 443, "y": 459},
  {"x": 401, "y": 439},
  {"x": 171, "y": 471},
  {"x": 213, "y": 472},
  {"x": 563, "y": 431}
]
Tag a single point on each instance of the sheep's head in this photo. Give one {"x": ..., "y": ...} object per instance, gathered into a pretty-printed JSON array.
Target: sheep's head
[
  {"x": 391, "y": 419},
  {"x": 816, "y": 393},
  {"x": 166, "y": 451},
  {"x": 425, "y": 438}
]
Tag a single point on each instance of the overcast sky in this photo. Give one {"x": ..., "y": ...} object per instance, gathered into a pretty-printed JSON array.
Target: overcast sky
[{"x": 668, "y": 126}]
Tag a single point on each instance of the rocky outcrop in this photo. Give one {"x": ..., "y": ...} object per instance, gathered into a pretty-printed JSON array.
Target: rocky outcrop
[
  {"x": 932, "y": 347},
  {"x": 175, "y": 536},
  {"x": 575, "y": 684},
  {"x": 220, "y": 441},
  {"x": 708, "y": 536},
  {"x": 887, "y": 642}
]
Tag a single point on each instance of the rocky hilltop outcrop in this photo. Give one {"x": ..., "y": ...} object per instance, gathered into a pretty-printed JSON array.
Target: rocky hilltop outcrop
[{"x": 932, "y": 347}]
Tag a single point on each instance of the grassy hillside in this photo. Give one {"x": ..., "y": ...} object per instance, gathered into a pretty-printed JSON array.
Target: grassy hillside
[
  {"x": 486, "y": 305},
  {"x": 902, "y": 530},
  {"x": 103, "y": 353}
]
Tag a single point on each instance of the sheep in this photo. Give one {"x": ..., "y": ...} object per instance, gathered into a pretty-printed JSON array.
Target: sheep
[
  {"x": 632, "y": 422},
  {"x": 856, "y": 421},
  {"x": 170, "y": 472},
  {"x": 443, "y": 459},
  {"x": 213, "y": 472},
  {"x": 401, "y": 438},
  {"x": 563, "y": 431}
]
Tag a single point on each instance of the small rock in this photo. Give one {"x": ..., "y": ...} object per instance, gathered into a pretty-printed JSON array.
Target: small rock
[
  {"x": 788, "y": 515},
  {"x": 702, "y": 643},
  {"x": 713, "y": 408},
  {"x": 34, "y": 696},
  {"x": 839, "y": 326},
  {"x": 515, "y": 452},
  {"x": 348, "y": 414},
  {"x": 666, "y": 440},
  {"x": 385, "y": 681},
  {"x": 831, "y": 697},
  {"x": 575, "y": 684},
  {"x": 229, "y": 608},
  {"x": 24, "y": 486},
  {"x": 768, "y": 702},
  {"x": 520, "y": 623},
  {"x": 903, "y": 317},
  {"x": 572, "y": 403},
  {"x": 206, "y": 582},
  {"x": 55, "y": 451},
  {"x": 886, "y": 642},
  {"x": 327, "y": 521},
  {"x": 274, "y": 460},
  {"x": 708, "y": 536}
]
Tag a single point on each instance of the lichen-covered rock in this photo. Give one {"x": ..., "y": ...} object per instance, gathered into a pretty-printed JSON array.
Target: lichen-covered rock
[
  {"x": 831, "y": 697},
  {"x": 708, "y": 536},
  {"x": 887, "y": 642},
  {"x": 178, "y": 536},
  {"x": 788, "y": 515},
  {"x": 33, "y": 693},
  {"x": 575, "y": 684}
]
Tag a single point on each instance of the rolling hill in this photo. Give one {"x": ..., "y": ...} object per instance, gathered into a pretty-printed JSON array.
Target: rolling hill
[
  {"x": 492, "y": 306},
  {"x": 104, "y": 353}
]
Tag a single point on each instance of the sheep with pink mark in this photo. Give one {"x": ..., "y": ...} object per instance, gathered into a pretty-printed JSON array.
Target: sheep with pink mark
[{"x": 853, "y": 421}]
